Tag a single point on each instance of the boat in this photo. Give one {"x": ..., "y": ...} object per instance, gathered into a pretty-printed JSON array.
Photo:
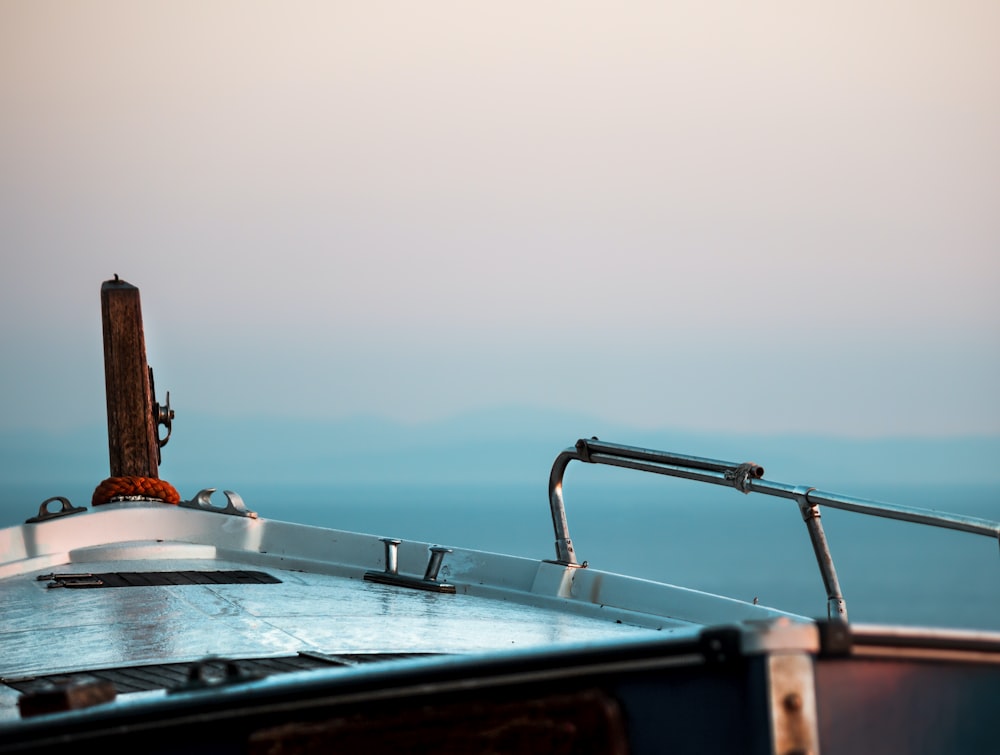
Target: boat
[{"x": 158, "y": 624}]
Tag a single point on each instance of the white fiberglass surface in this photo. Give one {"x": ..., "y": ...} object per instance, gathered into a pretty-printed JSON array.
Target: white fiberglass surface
[{"x": 47, "y": 630}]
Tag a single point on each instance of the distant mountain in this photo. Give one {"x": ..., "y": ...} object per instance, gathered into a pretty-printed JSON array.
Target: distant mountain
[{"x": 513, "y": 444}]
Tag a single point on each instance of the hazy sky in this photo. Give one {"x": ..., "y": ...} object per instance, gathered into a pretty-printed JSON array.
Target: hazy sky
[{"x": 758, "y": 217}]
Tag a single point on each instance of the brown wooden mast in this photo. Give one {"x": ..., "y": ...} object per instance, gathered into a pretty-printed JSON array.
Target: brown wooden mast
[{"x": 133, "y": 443}]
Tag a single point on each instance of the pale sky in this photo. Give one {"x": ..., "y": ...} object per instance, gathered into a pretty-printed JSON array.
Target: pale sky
[{"x": 751, "y": 217}]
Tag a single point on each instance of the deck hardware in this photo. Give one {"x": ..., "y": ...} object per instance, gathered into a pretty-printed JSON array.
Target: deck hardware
[
  {"x": 171, "y": 676},
  {"x": 747, "y": 478},
  {"x": 162, "y": 578},
  {"x": 66, "y": 694},
  {"x": 75, "y": 580},
  {"x": 44, "y": 513},
  {"x": 391, "y": 575},
  {"x": 836, "y": 606},
  {"x": 792, "y": 703},
  {"x": 234, "y": 503},
  {"x": 133, "y": 448},
  {"x": 162, "y": 415},
  {"x": 594, "y": 451},
  {"x": 742, "y": 476},
  {"x": 391, "y": 554},
  {"x": 834, "y": 638},
  {"x": 215, "y": 672},
  {"x": 434, "y": 563}
]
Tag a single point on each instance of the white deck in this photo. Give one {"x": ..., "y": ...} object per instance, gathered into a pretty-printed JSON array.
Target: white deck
[
  {"x": 322, "y": 604},
  {"x": 50, "y": 630}
]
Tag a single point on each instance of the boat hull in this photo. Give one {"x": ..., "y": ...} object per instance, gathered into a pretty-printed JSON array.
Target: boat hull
[{"x": 771, "y": 688}]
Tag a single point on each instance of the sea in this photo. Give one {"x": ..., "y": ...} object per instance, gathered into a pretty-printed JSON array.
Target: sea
[{"x": 710, "y": 538}]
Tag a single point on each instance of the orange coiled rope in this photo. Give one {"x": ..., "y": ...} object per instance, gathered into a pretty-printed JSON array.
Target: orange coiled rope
[{"x": 145, "y": 487}]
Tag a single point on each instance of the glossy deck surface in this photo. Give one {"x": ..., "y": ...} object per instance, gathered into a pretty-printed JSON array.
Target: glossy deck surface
[
  {"x": 318, "y": 604},
  {"x": 45, "y": 630}
]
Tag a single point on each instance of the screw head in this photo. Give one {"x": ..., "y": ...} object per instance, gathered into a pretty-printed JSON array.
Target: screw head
[{"x": 793, "y": 702}]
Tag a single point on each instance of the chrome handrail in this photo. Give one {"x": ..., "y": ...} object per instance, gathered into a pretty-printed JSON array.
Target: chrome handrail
[{"x": 745, "y": 477}]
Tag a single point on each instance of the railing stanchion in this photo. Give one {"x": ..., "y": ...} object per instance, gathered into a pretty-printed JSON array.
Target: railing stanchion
[{"x": 836, "y": 606}]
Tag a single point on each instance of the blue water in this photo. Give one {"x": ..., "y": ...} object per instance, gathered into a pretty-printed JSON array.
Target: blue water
[{"x": 699, "y": 536}]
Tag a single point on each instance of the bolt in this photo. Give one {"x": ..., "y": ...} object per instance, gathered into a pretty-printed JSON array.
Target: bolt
[{"x": 793, "y": 702}]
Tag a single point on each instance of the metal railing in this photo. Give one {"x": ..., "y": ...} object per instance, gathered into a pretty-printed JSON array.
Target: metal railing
[{"x": 746, "y": 477}]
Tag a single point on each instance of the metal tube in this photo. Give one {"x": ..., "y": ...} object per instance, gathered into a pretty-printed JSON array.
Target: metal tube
[
  {"x": 930, "y": 517},
  {"x": 721, "y": 473},
  {"x": 391, "y": 554},
  {"x": 595, "y": 446},
  {"x": 564, "y": 546},
  {"x": 434, "y": 562},
  {"x": 747, "y": 478},
  {"x": 836, "y": 606}
]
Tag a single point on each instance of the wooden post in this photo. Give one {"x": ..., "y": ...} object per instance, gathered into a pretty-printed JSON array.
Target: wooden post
[{"x": 133, "y": 445}]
